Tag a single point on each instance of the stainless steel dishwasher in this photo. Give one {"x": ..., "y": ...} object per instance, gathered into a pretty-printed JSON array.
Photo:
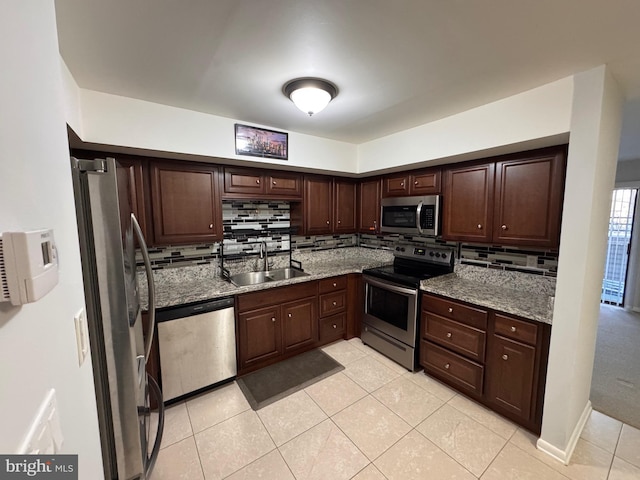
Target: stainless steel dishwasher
[{"x": 197, "y": 343}]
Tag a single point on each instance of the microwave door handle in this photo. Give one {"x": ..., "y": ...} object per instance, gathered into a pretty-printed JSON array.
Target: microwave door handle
[
  {"x": 418, "y": 217},
  {"x": 151, "y": 287}
]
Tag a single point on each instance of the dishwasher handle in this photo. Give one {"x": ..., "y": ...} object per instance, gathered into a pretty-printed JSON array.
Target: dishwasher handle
[{"x": 195, "y": 308}]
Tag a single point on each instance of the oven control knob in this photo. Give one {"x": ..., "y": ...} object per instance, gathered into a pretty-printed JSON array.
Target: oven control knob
[
  {"x": 431, "y": 254},
  {"x": 444, "y": 255},
  {"x": 438, "y": 255}
]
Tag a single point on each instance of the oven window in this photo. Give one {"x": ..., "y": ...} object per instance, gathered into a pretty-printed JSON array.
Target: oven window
[{"x": 390, "y": 307}]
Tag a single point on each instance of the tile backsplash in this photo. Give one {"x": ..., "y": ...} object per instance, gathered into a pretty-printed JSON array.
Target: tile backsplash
[{"x": 248, "y": 223}]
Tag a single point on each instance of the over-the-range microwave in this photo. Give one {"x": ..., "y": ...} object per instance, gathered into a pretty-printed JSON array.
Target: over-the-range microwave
[{"x": 411, "y": 215}]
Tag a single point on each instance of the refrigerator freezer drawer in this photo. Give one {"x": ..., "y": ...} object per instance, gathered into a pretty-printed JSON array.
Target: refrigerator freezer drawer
[{"x": 196, "y": 351}]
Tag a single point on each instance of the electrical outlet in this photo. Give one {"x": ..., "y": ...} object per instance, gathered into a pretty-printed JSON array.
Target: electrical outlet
[
  {"x": 532, "y": 261},
  {"x": 82, "y": 337}
]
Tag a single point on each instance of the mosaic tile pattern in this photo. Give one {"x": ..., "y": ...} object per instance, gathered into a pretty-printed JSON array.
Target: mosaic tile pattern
[
  {"x": 510, "y": 259},
  {"x": 248, "y": 223}
]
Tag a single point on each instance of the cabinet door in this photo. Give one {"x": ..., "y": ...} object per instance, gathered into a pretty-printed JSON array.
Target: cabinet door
[
  {"x": 299, "y": 323},
  {"x": 248, "y": 182},
  {"x": 468, "y": 203},
  {"x": 130, "y": 174},
  {"x": 344, "y": 206},
  {"x": 369, "y": 206},
  {"x": 395, "y": 186},
  {"x": 259, "y": 335},
  {"x": 186, "y": 203},
  {"x": 317, "y": 205},
  {"x": 283, "y": 185},
  {"x": 528, "y": 201},
  {"x": 510, "y": 376},
  {"x": 425, "y": 182}
]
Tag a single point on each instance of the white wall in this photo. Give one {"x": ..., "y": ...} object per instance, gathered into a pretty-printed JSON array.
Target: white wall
[
  {"x": 37, "y": 341},
  {"x": 114, "y": 120},
  {"x": 536, "y": 114},
  {"x": 593, "y": 151},
  {"x": 71, "y": 99}
]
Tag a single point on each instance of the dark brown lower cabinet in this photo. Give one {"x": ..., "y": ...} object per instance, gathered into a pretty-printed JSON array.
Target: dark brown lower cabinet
[
  {"x": 510, "y": 385},
  {"x": 497, "y": 359},
  {"x": 299, "y": 324},
  {"x": 275, "y": 324},
  {"x": 259, "y": 335}
]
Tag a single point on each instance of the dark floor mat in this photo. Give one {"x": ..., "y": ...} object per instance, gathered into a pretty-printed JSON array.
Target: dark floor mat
[{"x": 274, "y": 382}]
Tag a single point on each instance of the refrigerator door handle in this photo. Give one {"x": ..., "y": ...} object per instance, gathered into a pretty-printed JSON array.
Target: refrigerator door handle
[
  {"x": 151, "y": 287},
  {"x": 154, "y": 389}
]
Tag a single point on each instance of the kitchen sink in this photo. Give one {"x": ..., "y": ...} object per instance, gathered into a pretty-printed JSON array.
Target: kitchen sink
[
  {"x": 286, "y": 274},
  {"x": 256, "y": 278}
]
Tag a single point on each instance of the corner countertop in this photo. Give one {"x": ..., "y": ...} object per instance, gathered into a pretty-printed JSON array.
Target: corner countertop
[
  {"x": 528, "y": 296},
  {"x": 177, "y": 286}
]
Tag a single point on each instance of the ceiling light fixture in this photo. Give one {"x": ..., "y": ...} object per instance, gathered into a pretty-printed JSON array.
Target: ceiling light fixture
[{"x": 310, "y": 95}]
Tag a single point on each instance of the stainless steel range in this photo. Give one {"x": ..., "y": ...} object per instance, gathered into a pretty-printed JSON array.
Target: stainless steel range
[{"x": 392, "y": 300}]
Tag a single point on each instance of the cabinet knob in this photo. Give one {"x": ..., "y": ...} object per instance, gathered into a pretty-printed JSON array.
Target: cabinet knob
[
  {"x": 446, "y": 366},
  {"x": 448, "y": 334},
  {"x": 273, "y": 319},
  {"x": 416, "y": 182},
  {"x": 335, "y": 284},
  {"x": 327, "y": 222},
  {"x": 450, "y": 309},
  {"x": 339, "y": 222},
  {"x": 402, "y": 184},
  {"x": 211, "y": 226},
  {"x": 289, "y": 315},
  {"x": 274, "y": 183},
  {"x": 479, "y": 226},
  {"x": 513, "y": 329},
  {"x": 335, "y": 303},
  {"x": 258, "y": 181},
  {"x": 504, "y": 227},
  {"x": 335, "y": 326},
  {"x": 505, "y": 357}
]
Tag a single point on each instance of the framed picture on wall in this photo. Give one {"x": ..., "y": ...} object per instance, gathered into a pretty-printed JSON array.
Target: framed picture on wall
[{"x": 260, "y": 142}]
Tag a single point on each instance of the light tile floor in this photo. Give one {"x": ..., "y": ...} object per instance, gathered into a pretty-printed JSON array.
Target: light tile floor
[{"x": 375, "y": 421}]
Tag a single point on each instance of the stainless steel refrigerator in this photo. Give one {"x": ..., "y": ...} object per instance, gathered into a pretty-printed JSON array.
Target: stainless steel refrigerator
[{"x": 119, "y": 347}]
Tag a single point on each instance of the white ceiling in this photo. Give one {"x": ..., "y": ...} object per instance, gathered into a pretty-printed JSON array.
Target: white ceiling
[{"x": 397, "y": 63}]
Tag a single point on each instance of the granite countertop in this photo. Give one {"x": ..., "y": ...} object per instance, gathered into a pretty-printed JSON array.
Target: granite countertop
[
  {"x": 176, "y": 286},
  {"x": 528, "y": 296}
]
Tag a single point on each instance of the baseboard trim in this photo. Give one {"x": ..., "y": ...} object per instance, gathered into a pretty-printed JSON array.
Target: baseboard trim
[
  {"x": 636, "y": 309},
  {"x": 564, "y": 456}
]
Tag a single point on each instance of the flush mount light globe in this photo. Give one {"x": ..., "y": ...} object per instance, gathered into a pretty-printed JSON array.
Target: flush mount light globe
[{"x": 310, "y": 95}]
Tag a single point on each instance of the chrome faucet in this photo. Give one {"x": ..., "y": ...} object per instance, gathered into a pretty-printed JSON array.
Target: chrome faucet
[{"x": 264, "y": 256}]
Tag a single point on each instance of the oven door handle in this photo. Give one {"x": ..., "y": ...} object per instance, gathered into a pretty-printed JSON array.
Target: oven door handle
[
  {"x": 419, "y": 217},
  {"x": 391, "y": 287}
]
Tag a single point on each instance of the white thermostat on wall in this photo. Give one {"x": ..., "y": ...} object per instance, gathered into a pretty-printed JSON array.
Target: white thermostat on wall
[{"x": 28, "y": 265}]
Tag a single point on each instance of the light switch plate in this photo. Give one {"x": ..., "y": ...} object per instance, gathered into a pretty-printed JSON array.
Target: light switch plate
[
  {"x": 45, "y": 433},
  {"x": 82, "y": 337}
]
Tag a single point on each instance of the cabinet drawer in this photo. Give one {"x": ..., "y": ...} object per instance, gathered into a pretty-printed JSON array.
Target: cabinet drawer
[
  {"x": 276, "y": 296},
  {"x": 332, "y": 327},
  {"x": 516, "y": 329},
  {"x": 465, "y": 340},
  {"x": 464, "y": 373},
  {"x": 331, "y": 303},
  {"x": 451, "y": 309},
  {"x": 332, "y": 284}
]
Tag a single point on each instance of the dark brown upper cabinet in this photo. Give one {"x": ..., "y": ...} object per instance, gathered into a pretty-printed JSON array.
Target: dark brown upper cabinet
[
  {"x": 514, "y": 200},
  {"x": 253, "y": 183},
  {"x": 369, "y": 194},
  {"x": 186, "y": 203},
  {"x": 417, "y": 182},
  {"x": 328, "y": 206}
]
